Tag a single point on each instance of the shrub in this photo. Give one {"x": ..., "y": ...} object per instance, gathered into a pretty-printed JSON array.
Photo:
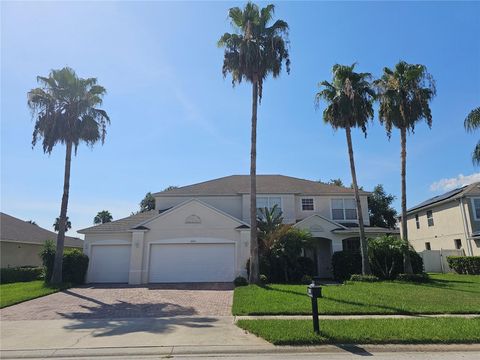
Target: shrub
[
  {"x": 263, "y": 279},
  {"x": 74, "y": 267},
  {"x": 465, "y": 264},
  {"x": 345, "y": 264},
  {"x": 20, "y": 274},
  {"x": 422, "y": 277},
  {"x": 306, "y": 279},
  {"x": 240, "y": 281},
  {"x": 364, "y": 278}
]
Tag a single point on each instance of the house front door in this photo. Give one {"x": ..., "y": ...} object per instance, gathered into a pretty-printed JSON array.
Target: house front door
[{"x": 324, "y": 257}]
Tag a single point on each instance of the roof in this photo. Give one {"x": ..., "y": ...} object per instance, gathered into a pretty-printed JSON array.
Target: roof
[
  {"x": 18, "y": 230},
  {"x": 448, "y": 196},
  {"x": 124, "y": 224},
  {"x": 266, "y": 184}
]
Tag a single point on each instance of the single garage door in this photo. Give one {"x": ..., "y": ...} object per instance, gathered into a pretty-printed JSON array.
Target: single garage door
[
  {"x": 109, "y": 264},
  {"x": 192, "y": 263}
]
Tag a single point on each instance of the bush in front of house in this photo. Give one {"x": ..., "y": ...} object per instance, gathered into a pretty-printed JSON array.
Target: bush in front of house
[
  {"x": 345, "y": 264},
  {"x": 465, "y": 264},
  {"x": 420, "y": 278},
  {"x": 20, "y": 274},
  {"x": 75, "y": 264},
  {"x": 240, "y": 281},
  {"x": 385, "y": 255},
  {"x": 364, "y": 278}
]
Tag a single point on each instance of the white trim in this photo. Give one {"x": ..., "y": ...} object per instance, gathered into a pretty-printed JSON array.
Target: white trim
[
  {"x": 307, "y": 198},
  {"x": 344, "y": 217},
  {"x": 472, "y": 199},
  {"x": 269, "y": 196}
]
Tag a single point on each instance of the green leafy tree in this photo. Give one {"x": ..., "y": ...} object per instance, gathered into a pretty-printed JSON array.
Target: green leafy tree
[
  {"x": 472, "y": 123},
  {"x": 171, "y": 187},
  {"x": 380, "y": 208},
  {"x": 254, "y": 51},
  {"x": 337, "y": 182},
  {"x": 147, "y": 203},
  {"x": 268, "y": 222},
  {"x": 31, "y": 222},
  {"x": 405, "y": 94},
  {"x": 56, "y": 224},
  {"x": 65, "y": 109},
  {"x": 103, "y": 217},
  {"x": 349, "y": 99}
]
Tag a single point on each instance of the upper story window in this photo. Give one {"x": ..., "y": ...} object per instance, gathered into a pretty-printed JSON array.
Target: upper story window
[
  {"x": 344, "y": 209},
  {"x": 476, "y": 208},
  {"x": 417, "y": 221},
  {"x": 269, "y": 202},
  {"x": 307, "y": 204},
  {"x": 430, "y": 217}
]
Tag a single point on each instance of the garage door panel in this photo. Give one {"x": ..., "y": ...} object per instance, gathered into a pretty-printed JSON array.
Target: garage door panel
[
  {"x": 192, "y": 263},
  {"x": 109, "y": 263}
]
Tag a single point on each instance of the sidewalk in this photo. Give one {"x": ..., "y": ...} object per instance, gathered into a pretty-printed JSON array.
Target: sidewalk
[{"x": 351, "y": 317}]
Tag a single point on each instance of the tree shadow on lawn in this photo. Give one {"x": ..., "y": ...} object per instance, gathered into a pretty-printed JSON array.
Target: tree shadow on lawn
[{"x": 444, "y": 285}]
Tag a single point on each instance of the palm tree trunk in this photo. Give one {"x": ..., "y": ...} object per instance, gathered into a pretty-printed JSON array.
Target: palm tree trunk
[
  {"x": 407, "y": 264},
  {"x": 254, "y": 265},
  {"x": 363, "y": 243},
  {"x": 57, "y": 266}
]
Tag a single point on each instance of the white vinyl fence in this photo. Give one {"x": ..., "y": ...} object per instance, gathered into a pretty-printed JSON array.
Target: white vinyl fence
[{"x": 436, "y": 260}]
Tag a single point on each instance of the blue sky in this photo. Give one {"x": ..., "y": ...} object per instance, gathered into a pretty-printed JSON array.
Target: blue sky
[{"x": 176, "y": 121}]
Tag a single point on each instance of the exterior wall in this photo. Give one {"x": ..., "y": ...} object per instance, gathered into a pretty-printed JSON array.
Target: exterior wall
[
  {"x": 232, "y": 205},
  {"x": 323, "y": 207},
  {"x": 15, "y": 254},
  {"x": 448, "y": 226}
]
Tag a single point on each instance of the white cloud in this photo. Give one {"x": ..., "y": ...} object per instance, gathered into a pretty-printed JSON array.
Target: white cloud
[{"x": 453, "y": 183}]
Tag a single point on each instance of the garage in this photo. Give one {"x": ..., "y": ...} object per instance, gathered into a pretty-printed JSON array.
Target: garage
[
  {"x": 109, "y": 263},
  {"x": 192, "y": 262}
]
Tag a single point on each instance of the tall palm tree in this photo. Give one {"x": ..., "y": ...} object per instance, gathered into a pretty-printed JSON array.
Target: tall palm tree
[
  {"x": 405, "y": 94},
  {"x": 472, "y": 123},
  {"x": 103, "y": 217},
  {"x": 255, "y": 51},
  {"x": 350, "y": 99},
  {"x": 56, "y": 224},
  {"x": 65, "y": 112}
]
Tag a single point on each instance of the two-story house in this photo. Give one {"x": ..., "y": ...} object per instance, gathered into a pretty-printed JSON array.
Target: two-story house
[
  {"x": 448, "y": 221},
  {"x": 201, "y": 232}
]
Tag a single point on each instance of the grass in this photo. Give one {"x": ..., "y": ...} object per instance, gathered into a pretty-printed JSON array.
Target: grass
[
  {"x": 446, "y": 293},
  {"x": 15, "y": 293},
  {"x": 370, "y": 331}
]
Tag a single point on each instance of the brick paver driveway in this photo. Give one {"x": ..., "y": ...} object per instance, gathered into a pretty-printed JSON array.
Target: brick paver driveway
[{"x": 122, "y": 301}]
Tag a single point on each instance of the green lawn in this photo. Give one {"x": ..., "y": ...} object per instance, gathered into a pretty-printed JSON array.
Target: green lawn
[
  {"x": 446, "y": 293},
  {"x": 371, "y": 331},
  {"x": 22, "y": 291}
]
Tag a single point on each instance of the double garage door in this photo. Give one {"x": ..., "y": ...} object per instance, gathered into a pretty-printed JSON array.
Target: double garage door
[{"x": 192, "y": 262}]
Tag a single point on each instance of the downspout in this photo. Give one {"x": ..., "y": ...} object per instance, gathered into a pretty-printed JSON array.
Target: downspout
[{"x": 465, "y": 228}]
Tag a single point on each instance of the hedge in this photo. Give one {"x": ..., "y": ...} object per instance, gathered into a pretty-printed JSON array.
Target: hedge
[
  {"x": 465, "y": 264},
  {"x": 75, "y": 264},
  {"x": 20, "y": 274}
]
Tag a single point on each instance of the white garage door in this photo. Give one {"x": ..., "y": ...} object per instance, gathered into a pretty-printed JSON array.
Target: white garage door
[
  {"x": 109, "y": 264},
  {"x": 192, "y": 263}
]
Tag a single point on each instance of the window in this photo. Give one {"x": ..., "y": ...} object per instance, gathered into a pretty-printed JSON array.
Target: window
[
  {"x": 430, "y": 217},
  {"x": 269, "y": 202},
  {"x": 344, "y": 209},
  {"x": 352, "y": 245},
  {"x": 417, "y": 221},
  {"x": 307, "y": 204},
  {"x": 458, "y": 243},
  {"x": 476, "y": 208},
  {"x": 427, "y": 246}
]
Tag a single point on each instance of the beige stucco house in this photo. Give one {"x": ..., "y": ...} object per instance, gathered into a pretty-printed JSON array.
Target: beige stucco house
[
  {"x": 21, "y": 242},
  {"x": 201, "y": 233},
  {"x": 448, "y": 221}
]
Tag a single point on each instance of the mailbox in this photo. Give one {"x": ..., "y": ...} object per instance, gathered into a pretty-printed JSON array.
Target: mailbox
[{"x": 314, "y": 290}]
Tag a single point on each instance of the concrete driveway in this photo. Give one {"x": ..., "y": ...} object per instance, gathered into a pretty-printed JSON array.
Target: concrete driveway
[{"x": 92, "y": 317}]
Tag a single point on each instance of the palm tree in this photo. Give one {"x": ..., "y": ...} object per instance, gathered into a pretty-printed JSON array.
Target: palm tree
[
  {"x": 103, "y": 217},
  {"x": 404, "y": 94},
  {"x": 65, "y": 112},
  {"x": 255, "y": 51},
  {"x": 472, "y": 123},
  {"x": 56, "y": 225},
  {"x": 350, "y": 99},
  {"x": 268, "y": 222}
]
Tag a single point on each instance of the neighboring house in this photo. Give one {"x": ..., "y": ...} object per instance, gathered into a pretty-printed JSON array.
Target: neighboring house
[
  {"x": 21, "y": 242},
  {"x": 200, "y": 232},
  {"x": 448, "y": 221}
]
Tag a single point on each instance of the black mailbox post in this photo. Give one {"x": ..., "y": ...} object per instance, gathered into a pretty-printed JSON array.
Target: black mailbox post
[{"x": 314, "y": 290}]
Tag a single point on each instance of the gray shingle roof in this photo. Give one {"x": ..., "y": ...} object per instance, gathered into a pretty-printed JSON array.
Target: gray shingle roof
[
  {"x": 18, "y": 230},
  {"x": 121, "y": 224},
  {"x": 266, "y": 184}
]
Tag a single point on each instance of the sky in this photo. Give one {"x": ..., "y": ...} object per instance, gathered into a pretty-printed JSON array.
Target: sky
[{"x": 176, "y": 121}]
